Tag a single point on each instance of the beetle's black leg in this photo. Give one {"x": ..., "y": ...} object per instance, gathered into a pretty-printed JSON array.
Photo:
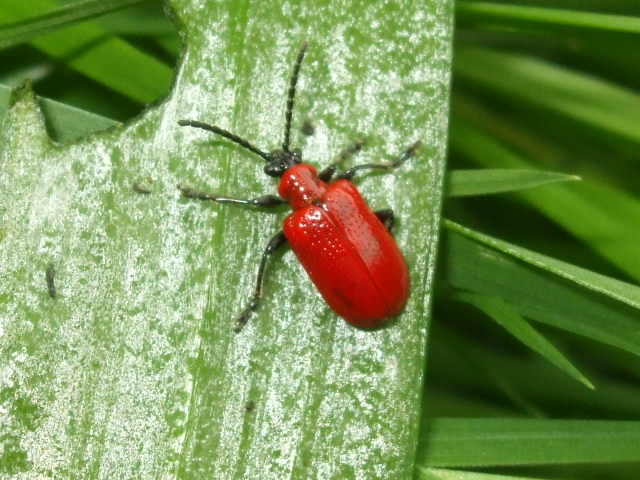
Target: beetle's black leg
[
  {"x": 387, "y": 217},
  {"x": 276, "y": 241},
  {"x": 408, "y": 153},
  {"x": 328, "y": 172},
  {"x": 263, "y": 201}
]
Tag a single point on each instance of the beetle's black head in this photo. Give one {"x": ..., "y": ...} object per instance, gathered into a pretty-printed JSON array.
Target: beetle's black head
[{"x": 281, "y": 161}]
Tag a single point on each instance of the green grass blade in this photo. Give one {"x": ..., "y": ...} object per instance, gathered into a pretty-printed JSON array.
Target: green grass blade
[
  {"x": 540, "y": 295},
  {"x": 89, "y": 50},
  {"x": 463, "y": 183},
  {"x": 602, "y": 217},
  {"x": 492, "y": 379},
  {"x": 621, "y": 291},
  {"x": 425, "y": 473},
  {"x": 127, "y": 22},
  {"x": 26, "y": 30},
  {"x": 508, "y": 318},
  {"x": 468, "y": 442},
  {"x": 525, "y": 18},
  {"x": 596, "y": 103}
]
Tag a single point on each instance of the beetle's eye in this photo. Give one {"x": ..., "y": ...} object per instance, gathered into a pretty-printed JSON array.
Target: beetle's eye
[{"x": 274, "y": 170}]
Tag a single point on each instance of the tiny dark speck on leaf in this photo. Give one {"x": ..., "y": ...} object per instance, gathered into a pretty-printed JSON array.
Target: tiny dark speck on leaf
[
  {"x": 140, "y": 187},
  {"x": 50, "y": 274},
  {"x": 308, "y": 128},
  {"x": 250, "y": 406}
]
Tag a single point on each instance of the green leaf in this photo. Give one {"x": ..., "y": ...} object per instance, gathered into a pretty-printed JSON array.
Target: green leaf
[
  {"x": 511, "y": 18},
  {"x": 621, "y": 291},
  {"x": 508, "y": 318},
  {"x": 462, "y": 183},
  {"x": 92, "y": 52},
  {"x": 447, "y": 474},
  {"x": 64, "y": 122},
  {"x": 488, "y": 378},
  {"x": 540, "y": 295},
  {"x": 134, "y": 367},
  {"x": 156, "y": 24},
  {"x": 598, "y": 104},
  {"x": 26, "y": 30},
  {"x": 470, "y": 442},
  {"x": 602, "y": 217}
]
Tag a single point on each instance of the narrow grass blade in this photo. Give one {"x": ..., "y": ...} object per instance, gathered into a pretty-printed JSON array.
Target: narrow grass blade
[
  {"x": 463, "y": 183},
  {"x": 483, "y": 377},
  {"x": 468, "y": 442},
  {"x": 91, "y": 51},
  {"x": 603, "y": 217},
  {"x": 524, "y": 18},
  {"x": 12, "y": 34},
  {"x": 508, "y": 318},
  {"x": 593, "y": 102},
  {"x": 542, "y": 295},
  {"x": 621, "y": 291}
]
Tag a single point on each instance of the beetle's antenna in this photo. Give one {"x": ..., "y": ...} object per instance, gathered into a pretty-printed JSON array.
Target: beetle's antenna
[
  {"x": 292, "y": 94},
  {"x": 228, "y": 135}
]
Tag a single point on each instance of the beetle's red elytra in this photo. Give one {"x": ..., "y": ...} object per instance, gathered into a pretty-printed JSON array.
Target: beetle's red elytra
[
  {"x": 345, "y": 247},
  {"x": 346, "y": 250}
]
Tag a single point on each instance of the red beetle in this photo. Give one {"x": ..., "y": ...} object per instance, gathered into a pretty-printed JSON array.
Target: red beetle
[{"x": 344, "y": 246}]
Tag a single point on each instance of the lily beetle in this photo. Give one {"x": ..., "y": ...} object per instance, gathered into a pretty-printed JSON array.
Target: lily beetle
[{"x": 345, "y": 247}]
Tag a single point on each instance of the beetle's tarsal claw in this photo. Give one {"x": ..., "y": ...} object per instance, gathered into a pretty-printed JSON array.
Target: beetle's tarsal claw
[
  {"x": 241, "y": 321},
  {"x": 413, "y": 149},
  {"x": 410, "y": 152},
  {"x": 187, "y": 192},
  {"x": 243, "y": 318}
]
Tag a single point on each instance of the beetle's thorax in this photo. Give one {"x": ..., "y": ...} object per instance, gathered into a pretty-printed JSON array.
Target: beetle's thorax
[{"x": 301, "y": 187}]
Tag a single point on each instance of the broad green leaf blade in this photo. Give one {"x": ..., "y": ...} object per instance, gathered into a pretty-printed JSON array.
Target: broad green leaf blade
[
  {"x": 23, "y": 31},
  {"x": 508, "y": 318},
  {"x": 463, "y": 183},
  {"x": 539, "y": 295},
  {"x": 134, "y": 367},
  {"x": 469, "y": 442}
]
